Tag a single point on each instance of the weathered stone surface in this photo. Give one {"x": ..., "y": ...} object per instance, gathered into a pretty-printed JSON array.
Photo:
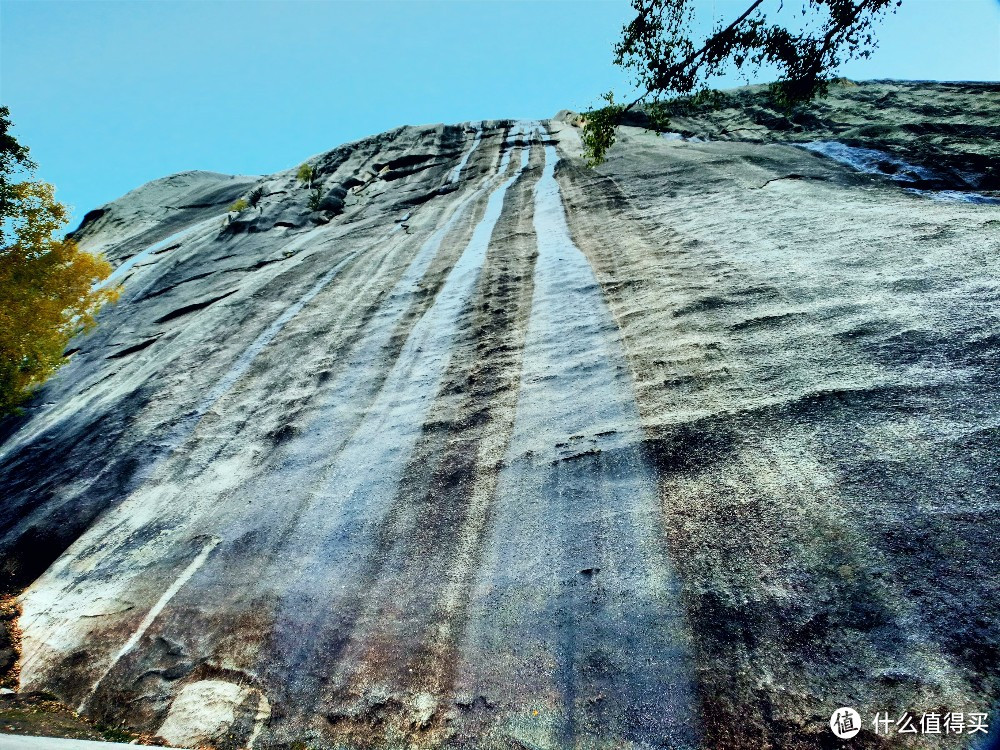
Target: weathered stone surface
[{"x": 685, "y": 451}]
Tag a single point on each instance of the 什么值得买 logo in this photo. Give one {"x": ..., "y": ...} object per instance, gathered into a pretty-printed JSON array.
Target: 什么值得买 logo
[{"x": 845, "y": 723}]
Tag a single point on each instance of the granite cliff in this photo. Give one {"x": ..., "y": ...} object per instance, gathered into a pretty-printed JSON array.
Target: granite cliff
[{"x": 468, "y": 445}]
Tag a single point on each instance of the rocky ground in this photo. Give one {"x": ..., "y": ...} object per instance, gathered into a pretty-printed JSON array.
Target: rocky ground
[
  {"x": 493, "y": 450},
  {"x": 40, "y": 714}
]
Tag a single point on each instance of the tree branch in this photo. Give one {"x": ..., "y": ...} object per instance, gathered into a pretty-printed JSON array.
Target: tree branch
[{"x": 708, "y": 45}]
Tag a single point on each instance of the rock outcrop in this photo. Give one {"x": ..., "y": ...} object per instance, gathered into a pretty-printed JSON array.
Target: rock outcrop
[{"x": 482, "y": 448}]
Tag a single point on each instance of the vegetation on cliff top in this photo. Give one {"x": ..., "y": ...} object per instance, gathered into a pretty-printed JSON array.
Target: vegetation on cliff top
[{"x": 660, "y": 47}]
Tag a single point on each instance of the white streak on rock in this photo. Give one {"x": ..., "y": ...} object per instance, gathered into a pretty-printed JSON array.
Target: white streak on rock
[
  {"x": 574, "y": 572},
  {"x": 246, "y": 359},
  {"x": 342, "y": 403},
  {"x": 457, "y": 172},
  {"x": 153, "y": 613},
  {"x": 119, "y": 273},
  {"x": 366, "y": 475},
  {"x": 408, "y": 390}
]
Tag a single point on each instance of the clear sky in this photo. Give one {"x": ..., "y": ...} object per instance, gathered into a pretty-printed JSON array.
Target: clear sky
[{"x": 109, "y": 95}]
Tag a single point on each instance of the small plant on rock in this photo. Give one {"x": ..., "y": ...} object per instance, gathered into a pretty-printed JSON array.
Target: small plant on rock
[
  {"x": 255, "y": 195},
  {"x": 240, "y": 205},
  {"x": 305, "y": 175},
  {"x": 315, "y": 197}
]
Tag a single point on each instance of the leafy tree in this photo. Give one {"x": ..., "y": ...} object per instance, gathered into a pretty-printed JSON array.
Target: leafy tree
[
  {"x": 239, "y": 205},
  {"x": 47, "y": 285},
  {"x": 658, "y": 46},
  {"x": 305, "y": 175}
]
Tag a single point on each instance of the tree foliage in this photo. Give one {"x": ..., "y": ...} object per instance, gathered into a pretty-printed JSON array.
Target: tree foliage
[
  {"x": 239, "y": 205},
  {"x": 805, "y": 47},
  {"x": 13, "y": 159},
  {"x": 599, "y": 131},
  {"x": 305, "y": 175},
  {"x": 48, "y": 289}
]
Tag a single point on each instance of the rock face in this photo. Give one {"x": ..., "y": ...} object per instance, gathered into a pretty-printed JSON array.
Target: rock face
[{"x": 491, "y": 450}]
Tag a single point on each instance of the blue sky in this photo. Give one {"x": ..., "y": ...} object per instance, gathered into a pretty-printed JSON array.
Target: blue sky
[{"x": 109, "y": 95}]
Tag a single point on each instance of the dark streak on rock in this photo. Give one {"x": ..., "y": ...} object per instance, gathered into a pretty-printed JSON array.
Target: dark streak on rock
[
  {"x": 194, "y": 307},
  {"x": 134, "y": 348}
]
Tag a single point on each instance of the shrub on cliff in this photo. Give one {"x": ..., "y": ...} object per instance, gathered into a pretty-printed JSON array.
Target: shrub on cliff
[
  {"x": 315, "y": 198},
  {"x": 255, "y": 196},
  {"x": 305, "y": 175}
]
